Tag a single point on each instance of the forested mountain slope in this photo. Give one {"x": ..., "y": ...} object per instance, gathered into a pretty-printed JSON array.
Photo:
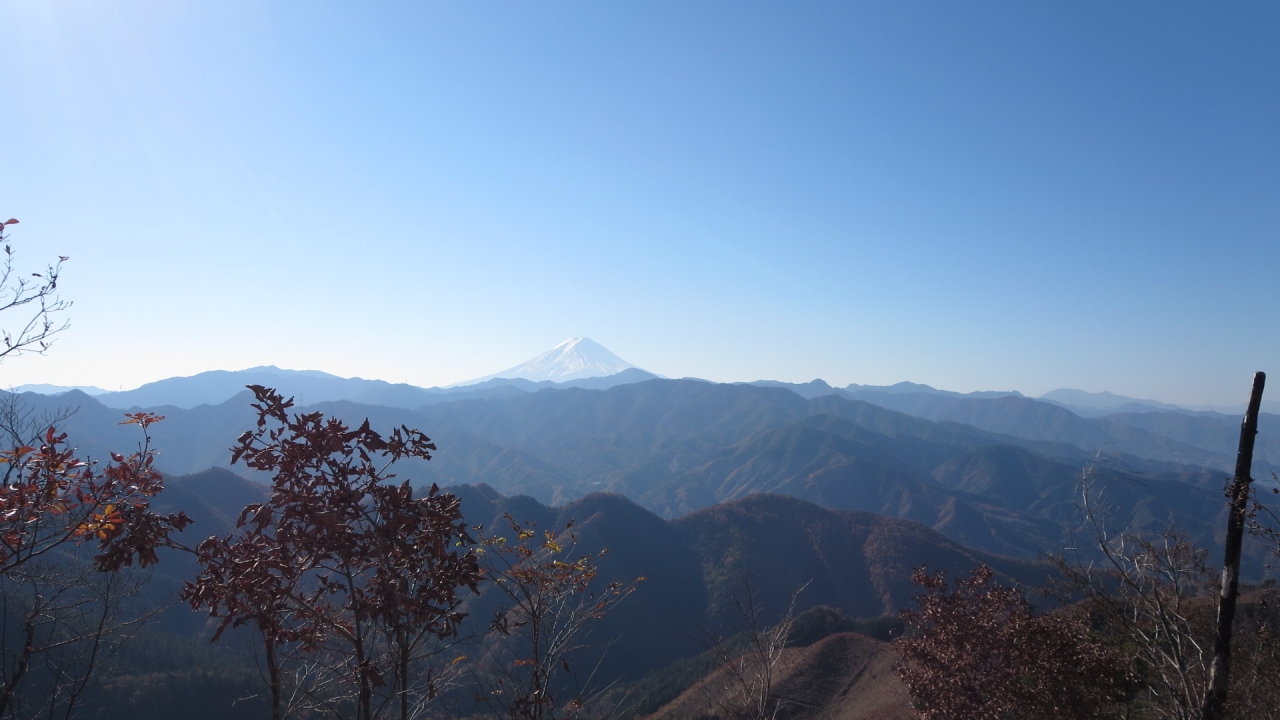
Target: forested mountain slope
[
  {"x": 858, "y": 563},
  {"x": 676, "y": 446}
]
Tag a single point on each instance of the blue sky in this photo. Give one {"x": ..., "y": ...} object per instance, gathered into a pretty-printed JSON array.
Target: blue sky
[{"x": 973, "y": 195}]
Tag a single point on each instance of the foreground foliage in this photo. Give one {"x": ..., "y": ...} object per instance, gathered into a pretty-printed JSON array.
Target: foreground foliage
[
  {"x": 70, "y": 529},
  {"x": 528, "y": 670},
  {"x": 351, "y": 580},
  {"x": 69, "y": 533},
  {"x": 978, "y": 651}
]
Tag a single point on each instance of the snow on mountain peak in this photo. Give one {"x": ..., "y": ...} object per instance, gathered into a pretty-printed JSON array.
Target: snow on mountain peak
[{"x": 572, "y": 359}]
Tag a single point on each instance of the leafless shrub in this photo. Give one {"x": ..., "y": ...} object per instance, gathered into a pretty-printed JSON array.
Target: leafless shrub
[{"x": 748, "y": 661}]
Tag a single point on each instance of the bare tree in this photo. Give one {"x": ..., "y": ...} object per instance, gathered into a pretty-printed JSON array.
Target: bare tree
[
  {"x": 1156, "y": 592},
  {"x": 21, "y": 424},
  {"x": 61, "y": 619},
  {"x": 748, "y": 661},
  {"x": 33, "y": 298},
  {"x": 1150, "y": 590}
]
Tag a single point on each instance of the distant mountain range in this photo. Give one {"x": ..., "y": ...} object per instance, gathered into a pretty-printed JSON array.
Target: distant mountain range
[
  {"x": 1095, "y": 404},
  {"x": 576, "y": 362},
  {"x": 47, "y": 389},
  {"x": 698, "y": 486},
  {"x": 998, "y": 474}
]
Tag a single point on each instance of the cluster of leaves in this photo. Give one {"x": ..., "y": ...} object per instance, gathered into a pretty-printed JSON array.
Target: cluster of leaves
[
  {"x": 68, "y": 530},
  {"x": 49, "y": 497},
  {"x": 356, "y": 572},
  {"x": 978, "y": 651}
]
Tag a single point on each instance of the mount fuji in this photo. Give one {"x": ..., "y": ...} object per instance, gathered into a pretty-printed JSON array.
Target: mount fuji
[{"x": 573, "y": 359}]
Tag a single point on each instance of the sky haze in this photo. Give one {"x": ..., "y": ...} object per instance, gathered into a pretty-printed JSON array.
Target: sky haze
[{"x": 977, "y": 196}]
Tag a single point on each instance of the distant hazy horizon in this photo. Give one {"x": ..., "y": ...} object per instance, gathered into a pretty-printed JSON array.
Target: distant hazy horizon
[
  {"x": 1068, "y": 395},
  {"x": 976, "y": 196},
  {"x": 1227, "y": 403}
]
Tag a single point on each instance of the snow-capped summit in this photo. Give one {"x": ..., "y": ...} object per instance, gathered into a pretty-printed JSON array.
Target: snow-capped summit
[{"x": 570, "y": 360}]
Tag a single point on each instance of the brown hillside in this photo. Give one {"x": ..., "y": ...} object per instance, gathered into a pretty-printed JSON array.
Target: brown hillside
[{"x": 846, "y": 676}]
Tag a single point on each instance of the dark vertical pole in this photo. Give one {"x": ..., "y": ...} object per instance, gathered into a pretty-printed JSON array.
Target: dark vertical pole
[{"x": 1215, "y": 700}]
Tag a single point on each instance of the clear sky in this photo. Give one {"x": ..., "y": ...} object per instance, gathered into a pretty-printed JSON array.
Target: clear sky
[{"x": 974, "y": 195}]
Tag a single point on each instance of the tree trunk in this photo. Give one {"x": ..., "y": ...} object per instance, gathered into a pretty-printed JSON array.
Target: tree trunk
[
  {"x": 402, "y": 673},
  {"x": 11, "y": 687},
  {"x": 273, "y": 677},
  {"x": 1215, "y": 700}
]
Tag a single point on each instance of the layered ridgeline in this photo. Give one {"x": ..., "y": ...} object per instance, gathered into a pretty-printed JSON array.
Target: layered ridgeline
[
  {"x": 698, "y": 487},
  {"x": 854, "y": 565},
  {"x": 582, "y": 362},
  {"x": 576, "y": 362},
  {"x": 994, "y": 473}
]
